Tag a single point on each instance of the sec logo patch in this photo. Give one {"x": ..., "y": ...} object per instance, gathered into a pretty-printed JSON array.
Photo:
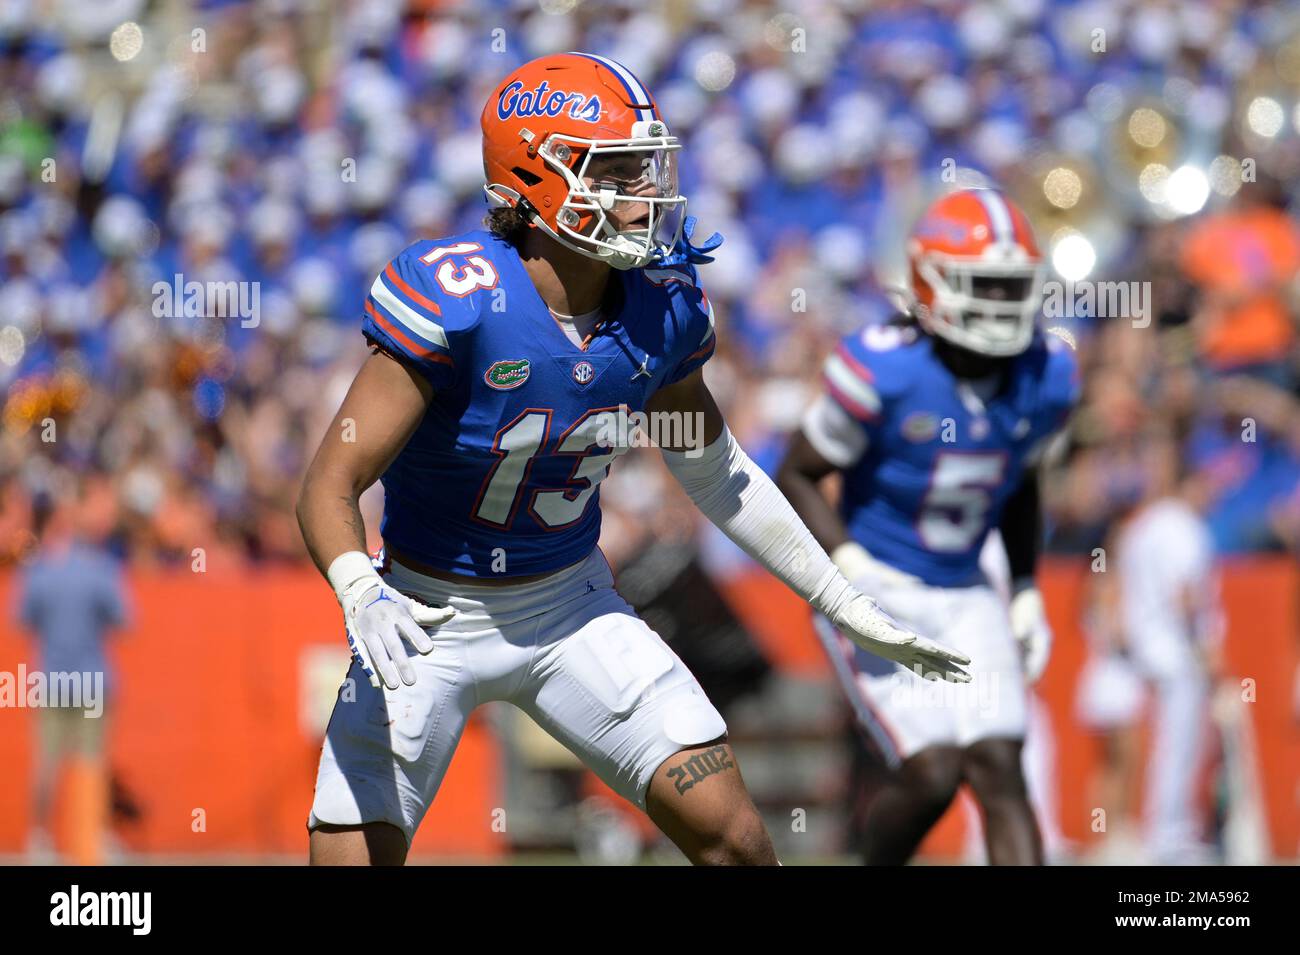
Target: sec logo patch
[{"x": 583, "y": 372}]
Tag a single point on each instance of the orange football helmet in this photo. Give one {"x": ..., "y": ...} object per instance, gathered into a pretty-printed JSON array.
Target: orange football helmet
[
  {"x": 542, "y": 128},
  {"x": 976, "y": 272}
]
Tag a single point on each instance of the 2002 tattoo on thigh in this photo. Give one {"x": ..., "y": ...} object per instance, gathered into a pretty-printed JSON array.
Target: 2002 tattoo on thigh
[{"x": 699, "y": 767}]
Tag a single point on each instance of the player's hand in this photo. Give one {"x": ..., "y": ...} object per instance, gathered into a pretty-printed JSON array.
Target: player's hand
[
  {"x": 1030, "y": 628},
  {"x": 378, "y": 617},
  {"x": 377, "y": 620},
  {"x": 863, "y": 622}
]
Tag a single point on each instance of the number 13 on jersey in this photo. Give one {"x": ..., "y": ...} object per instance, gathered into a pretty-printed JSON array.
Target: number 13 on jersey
[{"x": 517, "y": 446}]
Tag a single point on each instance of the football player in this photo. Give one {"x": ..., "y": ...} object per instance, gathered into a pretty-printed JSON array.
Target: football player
[
  {"x": 502, "y": 362},
  {"x": 934, "y": 423}
]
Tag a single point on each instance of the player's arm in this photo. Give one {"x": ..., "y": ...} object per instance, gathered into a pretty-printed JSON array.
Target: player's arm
[
  {"x": 1021, "y": 521},
  {"x": 800, "y": 476},
  {"x": 1021, "y": 527},
  {"x": 382, "y": 409},
  {"x": 743, "y": 502}
]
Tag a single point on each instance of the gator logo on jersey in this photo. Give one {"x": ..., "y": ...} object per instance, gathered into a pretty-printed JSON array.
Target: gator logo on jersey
[
  {"x": 504, "y": 375},
  {"x": 920, "y": 427},
  {"x": 583, "y": 372}
]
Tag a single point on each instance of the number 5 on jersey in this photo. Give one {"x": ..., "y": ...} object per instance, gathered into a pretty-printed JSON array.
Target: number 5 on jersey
[{"x": 955, "y": 510}]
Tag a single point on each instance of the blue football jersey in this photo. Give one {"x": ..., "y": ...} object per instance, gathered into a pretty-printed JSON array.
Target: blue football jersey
[
  {"x": 501, "y": 478},
  {"x": 940, "y": 461}
]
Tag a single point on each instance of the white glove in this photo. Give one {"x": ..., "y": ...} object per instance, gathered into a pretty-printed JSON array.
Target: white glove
[
  {"x": 873, "y": 629},
  {"x": 1030, "y": 628},
  {"x": 862, "y": 621},
  {"x": 378, "y": 617}
]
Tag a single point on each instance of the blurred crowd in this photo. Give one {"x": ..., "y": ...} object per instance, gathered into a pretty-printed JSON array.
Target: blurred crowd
[{"x": 299, "y": 145}]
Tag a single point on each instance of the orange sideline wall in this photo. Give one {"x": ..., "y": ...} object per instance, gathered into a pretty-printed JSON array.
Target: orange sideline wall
[{"x": 220, "y": 674}]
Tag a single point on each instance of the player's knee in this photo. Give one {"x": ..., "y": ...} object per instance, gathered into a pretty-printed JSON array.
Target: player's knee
[
  {"x": 372, "y": 843},
  {"x": 932, "y": 777},
  {"x": 740, "y": 839},
  {"x": 992, "y": 767}
]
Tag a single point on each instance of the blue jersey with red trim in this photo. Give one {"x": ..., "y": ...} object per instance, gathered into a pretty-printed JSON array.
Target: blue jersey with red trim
[
  {"x": 501, "y": 478},
  {"x": 941, "y": 460}
]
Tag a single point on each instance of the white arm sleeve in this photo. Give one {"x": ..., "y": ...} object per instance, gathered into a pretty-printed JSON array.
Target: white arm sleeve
[{"x": 734, "y": 493}]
